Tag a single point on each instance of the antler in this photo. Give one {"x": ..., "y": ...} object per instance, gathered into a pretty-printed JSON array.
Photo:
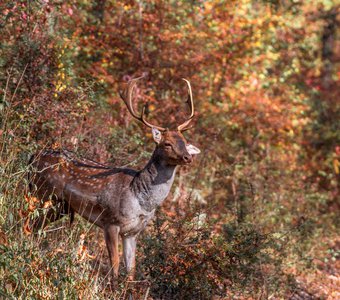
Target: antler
[
  {"x": 127, "y": 98},
  {"x": 190, "y": 102}
]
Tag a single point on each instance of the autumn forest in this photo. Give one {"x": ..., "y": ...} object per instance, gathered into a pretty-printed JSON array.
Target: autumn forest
[{"x": 255, "y": 215}]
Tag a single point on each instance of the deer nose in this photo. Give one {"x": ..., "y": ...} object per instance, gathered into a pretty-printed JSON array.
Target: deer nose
[{"x": 187, "y": 158}]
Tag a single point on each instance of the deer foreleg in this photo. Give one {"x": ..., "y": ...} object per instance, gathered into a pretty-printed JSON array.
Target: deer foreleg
[
  {"x": 111, "y": 234},
  {"x": 129, "y": 249}
]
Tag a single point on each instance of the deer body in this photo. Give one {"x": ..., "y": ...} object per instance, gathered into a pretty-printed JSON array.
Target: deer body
[{"x": 119, "y": 200}]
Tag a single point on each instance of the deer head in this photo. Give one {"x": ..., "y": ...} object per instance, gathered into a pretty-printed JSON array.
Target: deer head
[{"x": 171, "y": 146}]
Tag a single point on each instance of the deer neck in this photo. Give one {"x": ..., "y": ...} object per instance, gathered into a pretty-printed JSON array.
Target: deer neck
[{"x": 152, "y": 184}]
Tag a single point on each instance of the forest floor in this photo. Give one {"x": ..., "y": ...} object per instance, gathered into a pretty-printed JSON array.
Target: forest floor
[{"x": 321, "y": 282}]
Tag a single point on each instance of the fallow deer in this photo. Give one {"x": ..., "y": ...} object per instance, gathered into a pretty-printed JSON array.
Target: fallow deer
[{"x": 119, "y": 200}]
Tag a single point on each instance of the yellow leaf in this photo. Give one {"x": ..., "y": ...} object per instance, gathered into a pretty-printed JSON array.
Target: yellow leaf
[
  {"x": 48, "y": 204},
  {"x": 26, "y": 228},
  {"x": 336, "y": 165}
]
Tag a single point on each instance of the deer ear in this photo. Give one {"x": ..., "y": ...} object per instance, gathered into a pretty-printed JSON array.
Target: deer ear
[
  {"x": 192, "y": 150},
  {"x": 157, "y": 135}
]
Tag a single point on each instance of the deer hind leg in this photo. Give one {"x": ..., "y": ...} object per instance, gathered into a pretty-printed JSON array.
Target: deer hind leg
[
  {"x": 111, "y": 234},
  {"x": 67, "y": 210},
  {"x": 52, "y": 214},
  {"x": 129, "y": 249}
]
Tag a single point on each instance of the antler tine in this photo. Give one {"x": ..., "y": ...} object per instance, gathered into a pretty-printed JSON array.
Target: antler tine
[
  {"x": 127, "y": 98},
  {"x": 190, "y": 102},
  {"x": 149, "y": 124}
]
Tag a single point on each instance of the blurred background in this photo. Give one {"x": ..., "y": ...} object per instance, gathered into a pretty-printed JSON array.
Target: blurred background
[{"x": 254, "y": 217}]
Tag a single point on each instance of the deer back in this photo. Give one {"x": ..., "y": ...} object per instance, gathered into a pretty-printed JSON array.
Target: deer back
[{"x": 92, "y": 189}]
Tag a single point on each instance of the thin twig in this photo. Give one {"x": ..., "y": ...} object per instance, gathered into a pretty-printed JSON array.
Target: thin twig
[
  {"x": 54, "y": 229},
  {"x": 147, "y": 293},
  {"x": 16, "y": 88}
]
